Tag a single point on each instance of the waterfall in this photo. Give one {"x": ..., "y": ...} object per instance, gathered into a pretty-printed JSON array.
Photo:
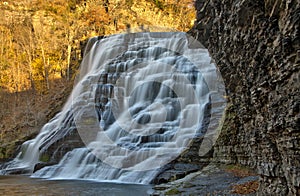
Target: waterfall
[{"x": 138, "y": 103}]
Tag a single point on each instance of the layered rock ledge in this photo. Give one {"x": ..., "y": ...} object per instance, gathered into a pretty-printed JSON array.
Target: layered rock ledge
[{"x": 256, "y": 46}]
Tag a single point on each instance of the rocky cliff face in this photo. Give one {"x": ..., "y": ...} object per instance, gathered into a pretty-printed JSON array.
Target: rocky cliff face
[{"x": 256, "y": 46}]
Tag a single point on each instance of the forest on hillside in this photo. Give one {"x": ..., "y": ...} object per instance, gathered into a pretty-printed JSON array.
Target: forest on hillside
[{"x": 41, "y": 49}]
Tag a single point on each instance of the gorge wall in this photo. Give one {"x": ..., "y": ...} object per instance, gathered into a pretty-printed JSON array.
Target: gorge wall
[{"x": 256, "y": 46}]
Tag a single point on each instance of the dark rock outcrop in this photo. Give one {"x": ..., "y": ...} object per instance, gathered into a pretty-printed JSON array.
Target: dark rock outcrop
[{"x": 256, "y": 46}]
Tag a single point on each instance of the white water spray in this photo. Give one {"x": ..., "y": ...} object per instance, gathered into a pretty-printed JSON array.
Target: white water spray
[{"x": 139, "y": 103}]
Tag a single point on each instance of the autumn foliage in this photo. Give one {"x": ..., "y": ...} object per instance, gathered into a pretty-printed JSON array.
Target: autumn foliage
[
  {"x": 41, "y": 44},
  {"x": 40, "y": 39}
]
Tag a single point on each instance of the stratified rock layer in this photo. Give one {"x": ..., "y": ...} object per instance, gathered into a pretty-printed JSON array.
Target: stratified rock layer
[{"x": 256, "y": 46}]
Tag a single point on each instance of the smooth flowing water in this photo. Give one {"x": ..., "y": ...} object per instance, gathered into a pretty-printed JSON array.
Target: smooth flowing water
[
  {"x": 139, "y": 102},
  {"x": 25, "y": 186}
]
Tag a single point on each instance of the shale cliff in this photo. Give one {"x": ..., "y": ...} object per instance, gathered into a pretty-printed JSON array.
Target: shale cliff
[{"x": 256, "y": 46}]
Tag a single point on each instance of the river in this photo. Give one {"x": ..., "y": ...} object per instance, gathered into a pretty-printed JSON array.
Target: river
[{"x": 24, "y": 185}]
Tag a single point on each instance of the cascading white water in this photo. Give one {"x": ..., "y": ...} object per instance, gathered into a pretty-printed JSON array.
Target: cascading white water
[{"x": 140, "y": 100}]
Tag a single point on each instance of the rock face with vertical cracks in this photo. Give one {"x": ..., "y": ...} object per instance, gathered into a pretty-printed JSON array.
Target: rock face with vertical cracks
[{"x": 256, "y": 46}]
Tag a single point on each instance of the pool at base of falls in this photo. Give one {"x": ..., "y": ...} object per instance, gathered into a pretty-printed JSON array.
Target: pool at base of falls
[{"x": 24, "y": 185}]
